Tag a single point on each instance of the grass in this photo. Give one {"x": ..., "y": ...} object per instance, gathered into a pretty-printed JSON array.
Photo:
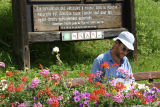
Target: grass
[{"x": 78, "y": 56}]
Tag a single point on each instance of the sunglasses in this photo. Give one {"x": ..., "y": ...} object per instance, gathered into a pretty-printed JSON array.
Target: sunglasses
[{"x": 124, "y": 49}]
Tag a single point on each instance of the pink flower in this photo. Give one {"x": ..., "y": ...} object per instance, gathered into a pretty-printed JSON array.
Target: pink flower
[
  {"x": 50, "y": 101},
  {"x": 60, "y": 98},
  {"x": 2, "y": 64},
  {"x": 121, "y": 70},
  {"x": 118, "y": 98},
  {"x": 45, "y": 72},
  {"x": 21, "y": 84},
  {"x": 34, "y": 83},
  {"x": 98, "y": 73},
  {"x": 21, "y": 105},
  {"x": 108, "y": 94},
  {"x": 37, "y": 105},
  {"x": 55, "y": 76},
  {"x": 112, "y": 83}
]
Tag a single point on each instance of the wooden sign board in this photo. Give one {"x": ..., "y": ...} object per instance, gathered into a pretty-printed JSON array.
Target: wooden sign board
[{"x": 76, "y": 16}]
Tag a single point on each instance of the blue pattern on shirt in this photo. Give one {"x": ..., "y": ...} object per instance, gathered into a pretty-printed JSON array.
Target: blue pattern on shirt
[{"x": 110, "y": 73}]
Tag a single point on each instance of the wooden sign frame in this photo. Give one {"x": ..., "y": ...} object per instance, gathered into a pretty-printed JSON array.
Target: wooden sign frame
[{"x": 24, "y": 32}]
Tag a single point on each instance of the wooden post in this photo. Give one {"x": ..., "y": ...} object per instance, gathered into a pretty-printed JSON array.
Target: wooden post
[
  {"x": 21, "y": 43},
  {"x": 130, "y": 22}
]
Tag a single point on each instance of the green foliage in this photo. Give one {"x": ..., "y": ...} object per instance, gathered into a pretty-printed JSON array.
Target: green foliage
[
  {"x": 148, "y": 29},
  {"x": 6, "y": 26}
]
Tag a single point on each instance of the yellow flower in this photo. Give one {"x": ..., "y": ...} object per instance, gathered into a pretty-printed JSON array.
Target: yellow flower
[
  {"x": 7, "y": 71},
  {"x": 3, "y": 77},
  {"x": 114, "y": 91},
  {"x": 127, "y": 85},
  {"x": 26, "y": 68},
  {"x": 70, "y": 82},
  {"x": 36, "y": 77}
]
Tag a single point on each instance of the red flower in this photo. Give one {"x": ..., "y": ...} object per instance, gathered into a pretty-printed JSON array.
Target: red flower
[
  {"x": 23, "y": 78},
  {"x": 94, "y": 96},
  {"x": 82, "y": 74},
  {"x": 119, "y": 86},
  {"x": 91, "y": 76},
  {"x": 65, "y": 73},
  {"x": 9, "y": 73},
  {"x": 55, "y": 104},
  {"x": 98, "y": 84},
  {"x": 144, "y": 100},
  {"x": 16, "y": 72},
  {"x": 2, "y": 96},
  {"x": 47, "y": 90},
  {"x": 40, "y": 66},
  {"x": 139, "y": 94},
  {"x": 100, "y": 91},
  {"x": 10, "y": 88},
  {"x": 115, "y": 65},
  {"x": 40, "y": 92},
  {"x": 18, "y": 89},
  {"x": 105, "y": 65}
]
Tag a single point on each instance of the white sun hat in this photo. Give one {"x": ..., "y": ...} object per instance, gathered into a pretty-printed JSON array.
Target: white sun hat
[{"x": 126, "y": 38}]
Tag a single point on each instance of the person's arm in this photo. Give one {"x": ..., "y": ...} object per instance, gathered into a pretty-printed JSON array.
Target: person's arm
[
  {"x": 95, "y": 68},
  {"x": 131, "y": 78}
]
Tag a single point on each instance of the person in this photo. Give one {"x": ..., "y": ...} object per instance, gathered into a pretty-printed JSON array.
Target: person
[{"x": 113, "y": 64}]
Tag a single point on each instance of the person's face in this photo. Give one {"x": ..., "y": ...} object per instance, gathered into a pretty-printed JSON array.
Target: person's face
[{"x": 122, "y": 50}]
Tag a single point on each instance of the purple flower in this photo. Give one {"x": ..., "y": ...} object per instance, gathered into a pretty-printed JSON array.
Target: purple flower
[
  {"x": 118, "y": 98},
  {"x": 86, "y": 102},
  {"x": 35, "y": 98},
  {"x": 21, "y": 105},
  {"x": 81, "y": 105},
  {"x": 87, "y": 95},
  {"x": 77, "y": 98},
  {"x": 149, "y": 98},
  {"x": 76, "y": 92},
  {"x": 34, "y": 83},
  {"x": 2, "y": 64}
]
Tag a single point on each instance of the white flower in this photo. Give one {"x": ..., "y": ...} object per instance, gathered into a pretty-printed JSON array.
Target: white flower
[
  {"x": 141, "y": 86},
  {"x": 3, "y": 84},
  {"x": 55, "y": 50}
]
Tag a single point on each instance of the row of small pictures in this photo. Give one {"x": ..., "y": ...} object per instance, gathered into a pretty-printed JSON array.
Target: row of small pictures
[{"x": 82, "y": 35}]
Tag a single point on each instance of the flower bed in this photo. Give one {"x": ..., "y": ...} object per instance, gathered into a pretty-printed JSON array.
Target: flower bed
[{"x": 45, "y": 87}]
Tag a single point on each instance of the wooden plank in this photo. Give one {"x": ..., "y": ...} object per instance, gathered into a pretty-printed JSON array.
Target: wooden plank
[
  {"x": 76, "y": 82},
  {"x": 51, "y": 0},
  {"x": 104, "y": 0},
  {"x": 155, "y": 84},
  {"x": 56, "y": 35},
  {"x": 76, "y": 16},
  {"x": 44, "y": 36},
  {"x": 146, "y": 75}
]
